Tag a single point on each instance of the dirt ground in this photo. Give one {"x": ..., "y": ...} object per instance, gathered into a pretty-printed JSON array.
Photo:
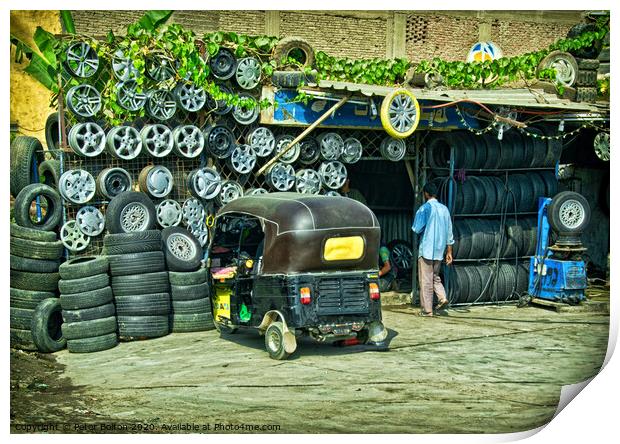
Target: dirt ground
[{"x": 477, "y": 370}]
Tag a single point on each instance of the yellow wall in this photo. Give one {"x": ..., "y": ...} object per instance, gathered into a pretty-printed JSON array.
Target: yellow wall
[{"x": 29, "y": 99}]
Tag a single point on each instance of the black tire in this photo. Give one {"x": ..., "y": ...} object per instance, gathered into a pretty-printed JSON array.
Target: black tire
[
  {"x": 586, "y": 78},
  {"x": 188, "y": 277},
  {"x": 478, "y": 247},
  {"x": 27, "y": 298},
  {"x": 22, "y": 339},
  {"x": 479, "y": 195},
  {"x": 95, "y": 344},
  {"x": 24, "y": 151},
  {"x": 505, "y": 153},
  {"x": 464, "y": 240},
  {"x": 274, "y": 341},
  {"x": 189, "y": 292},
  {"x": 194, "y": 306},
  {"x": 182, "y": 249},
  {"x": 401, "y": 256},
  {"x": 49, "y": 172},
  {"x": 21, "y": 318},
  {"x": 35, "y": 249},
  {"x": 89, "y": 329},
  {"x": 46, "y": 326},
  {"x": 143, "y": 326},
  {"x": 514, "y": 193},
  {"x": 184, "y": 323},
  {"x": 25, "y": 280},
  {"x": 468, "y": 203},
  {"x": 565, "y": 222},
  {"x": 500, "y": 192},
  {"x": 292, "y": 79},
  {"x": 129, "y": 243},
  {"x": 137, "y": 263},
  {"x": 31, "y": 234},
  {"x": 89, "y": 314},
  {"x": 540, "y": 148},
  {"x": 289, "y": 46},
  {"x": 518, "y": 153},
  {"x": 86, "y": 299},
  {"x": 460, "y": 290},
  {"x": 527, "y": 193},
  {"x": 52, "y": 137},
  {"x": 23, "y": 205},
  {"x": 586, "y": 94},
  {"x": 122, "y": 201},
  {"x": 34, "y": 265},
  {"x": 539, "y": 190},
  {"x": 590, "y": 52},
  {"x": 493, "y": 151},
  {"x": 72, "y": 286},
  {"x": 554, "y": 146},
  {"x": 551, "y": 183},
  {"x": 490, "y": 196},
  {"x": 84, "y": 266},
  {"x": 147, "y": 283},
  {"x": 474, "y": 283},
  {"x": 589, "y": 64},
  {"x": 143, "y": 304}
]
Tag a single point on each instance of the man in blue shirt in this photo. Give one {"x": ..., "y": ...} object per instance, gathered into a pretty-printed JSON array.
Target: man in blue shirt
[{"x": 433, "y": 221}]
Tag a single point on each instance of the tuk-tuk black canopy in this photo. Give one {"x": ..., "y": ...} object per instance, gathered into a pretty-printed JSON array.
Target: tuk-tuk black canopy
[{"x": 296, "y": 227}]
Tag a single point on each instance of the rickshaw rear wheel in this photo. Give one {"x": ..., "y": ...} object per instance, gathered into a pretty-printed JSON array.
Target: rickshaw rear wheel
[
  {"x": 362, "y": 335},
  {"x": 274, "y": 341}
]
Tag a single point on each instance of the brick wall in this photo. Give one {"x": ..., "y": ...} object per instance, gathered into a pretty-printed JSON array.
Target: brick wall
[{"x": 340, "y": 36}]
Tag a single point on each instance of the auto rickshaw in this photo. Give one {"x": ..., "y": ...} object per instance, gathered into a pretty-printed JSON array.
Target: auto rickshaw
[{"x": 289, "y": 264}]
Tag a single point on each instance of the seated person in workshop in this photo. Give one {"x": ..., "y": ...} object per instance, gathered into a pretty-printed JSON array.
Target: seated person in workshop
[
  {"x": 387, "y": 273},
  {"x": 352, "y": 193}
]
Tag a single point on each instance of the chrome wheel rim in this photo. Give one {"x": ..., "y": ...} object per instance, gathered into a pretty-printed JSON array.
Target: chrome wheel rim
[
  {"x": 352, "y": 151},
  {"x": 262, "y": 141},
  {"x": 332, "y": 193},
  {"x": 129, "y": 97},
  {"x": 393, "y": 149},
  {"x": 402, "y": 256},
  {"x": 402, "y": 113},
  {"x": 72, "y": 238},
  {"x": 200, "y": 232},
  {"x": 181, "y": 246},
  {"x": 83, "y": 100},
  {"x": 274, "y": 341},
  {"x": 255, "y": 192},
  {"x": 333, "y": 174},
  {"x": 169, "y": 213},
  {"x": 134, "y": 217},
  {"x": 159, "y": 181},
  {"x": 159, "y": 68},
  {"x": 113, "y": 181},
  {"x": 205, "y": 183},
  {"x": 190, "y": 97},
  {"x": 564, "y": 72},
  {"x": 601, "y": 146},
  {"x": 188, "y": 141},
  {"x": 281, "y": 176},
  {"x": 82, "y": 60},
  {"x": 193, "y": 211},
  {"x": 123, "y": 67},
  {"x": 223, "y": 64},
  {"x": 243, "y": 159},
  {"x": 221, "y": 141},
  {"x": 87, "y": 139},
  {"x": 90, "y": 221},
  {"x": 230, "y": 191},
  {"x": 160, "y": 104},
  {"x": 308, "y": 181},
  {"x": 572, "y": 213},
  {"x": 157, "y": 139},
  {"x": 282, "y": 142},
  {"x": 246, "y": 115},
  {"x": 219, "y": 107},
  {"x": 248, "y": 73},
  {"x": 331, "y": 145},
  {"x": 77, "y": 186},
  {"x": 124, "y": 142},
  {"x": 309, "y": 151}
]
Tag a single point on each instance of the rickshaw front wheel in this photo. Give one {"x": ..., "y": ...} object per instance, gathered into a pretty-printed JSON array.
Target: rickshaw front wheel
[{"x": 274, "y": 341}]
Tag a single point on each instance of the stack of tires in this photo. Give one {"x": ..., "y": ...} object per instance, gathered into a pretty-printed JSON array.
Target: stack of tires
[
  {"x": 87, "y": 308},
  {"x": 35, "y": 258},
  {"x": 488, "y": 283},
  {"x": 139, "y": 283},
  {"x": 191, "y": 306},
  {"x": 587, "y": 63}
]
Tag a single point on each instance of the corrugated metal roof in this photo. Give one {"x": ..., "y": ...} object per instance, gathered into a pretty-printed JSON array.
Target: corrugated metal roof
[{"x": 522, "y": 97}]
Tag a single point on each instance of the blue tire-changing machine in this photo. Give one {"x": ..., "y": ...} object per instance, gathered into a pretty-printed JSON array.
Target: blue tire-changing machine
[{"x": 557, "y": 273}]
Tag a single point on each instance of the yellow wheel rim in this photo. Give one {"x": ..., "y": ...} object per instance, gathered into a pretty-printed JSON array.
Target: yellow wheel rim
[{"x": 400, "y": 113}]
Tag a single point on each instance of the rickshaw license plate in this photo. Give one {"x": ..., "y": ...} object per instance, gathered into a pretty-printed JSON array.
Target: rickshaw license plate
[{"x": 341, "y": 329}]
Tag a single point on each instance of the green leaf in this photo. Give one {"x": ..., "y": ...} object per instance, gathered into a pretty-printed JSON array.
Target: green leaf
[
  {"x": 67, "y": 21},
  {"x": 46, "y": 42},
  {"x": 43, "y": 72},
  {"x": 110, "y": 37},
  {"x": 151, "y": 20}
]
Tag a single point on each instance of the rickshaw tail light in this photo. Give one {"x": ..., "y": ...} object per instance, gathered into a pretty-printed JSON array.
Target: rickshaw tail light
[
  {"x": 375, "y": 295},
  {"x": 304, "y": 295}
]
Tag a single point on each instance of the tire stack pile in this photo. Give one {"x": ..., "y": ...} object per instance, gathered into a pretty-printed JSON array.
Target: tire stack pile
[
  {"x": 495, "y": 224},
  {"x": 87, "y": 308},
  {"x": 139, "y": 283},
  {"x": 35, "y": 258},
  {"x": 587, "y": 64},
  {"x": 191, "y": 303}
]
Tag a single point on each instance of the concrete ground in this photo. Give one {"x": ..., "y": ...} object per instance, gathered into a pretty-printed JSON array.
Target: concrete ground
[{"x": 484, "y": 369}]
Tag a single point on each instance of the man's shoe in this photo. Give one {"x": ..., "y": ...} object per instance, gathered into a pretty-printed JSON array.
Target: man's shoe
[
  {"x": 425, "y": 314},
  {"x": 441, "y": 304}
]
